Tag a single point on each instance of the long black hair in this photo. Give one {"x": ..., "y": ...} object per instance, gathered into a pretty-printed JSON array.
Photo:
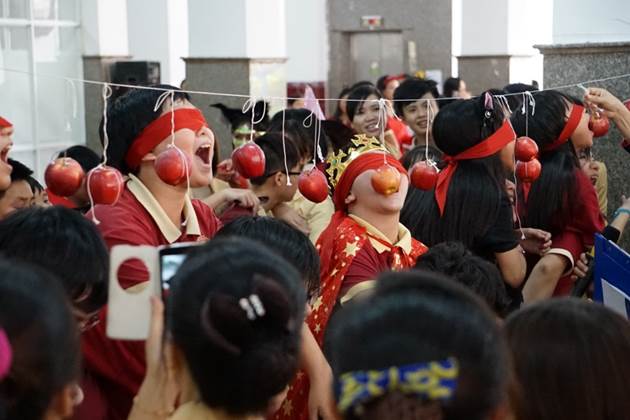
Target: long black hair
[
  {"x": 549, "y": 202},
  {"x": 477, "y": 187},
  {"x": 357, "y": 98},
  {"x": 44, "y": 339}
]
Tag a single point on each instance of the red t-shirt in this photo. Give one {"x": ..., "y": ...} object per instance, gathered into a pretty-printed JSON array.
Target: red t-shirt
[
  {"x": 578, "y": 235},
  {"x": 402, "y": 132},
  {"x": 116, "y": 368}
]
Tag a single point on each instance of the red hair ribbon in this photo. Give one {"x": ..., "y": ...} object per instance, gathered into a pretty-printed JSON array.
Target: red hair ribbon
[
  {"x": 389, "y": 79},
  {"x": 362, "y": 163},
  {"x": 569, "y": 128},
  {"x": 159, "y": 129},
  {"x": 488, "y": 147},
  {"x": 4, "y": 123}
]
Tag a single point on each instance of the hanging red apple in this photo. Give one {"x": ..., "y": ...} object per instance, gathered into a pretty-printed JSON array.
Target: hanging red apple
[
  {"x": 599, "y": 124},
  {"x": 173, "y": 166},
  {"x": 313, "y": 185},
  {"x": 525, "y": 149},
  {"x": 627, "y": 103},
  {"x": 528, "y": 171},
  {"x": 105, "y": 184},
  {"x": 423, "y": 176},
  {"x": 64, "y": 176},
  {"x": 386, "y": 180},
  {"x": 249, "y": 160}
]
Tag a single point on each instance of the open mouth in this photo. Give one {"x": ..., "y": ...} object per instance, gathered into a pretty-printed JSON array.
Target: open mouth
[
  {"x": 203, "y": 152},
  {"x": 4, "y": 154}
]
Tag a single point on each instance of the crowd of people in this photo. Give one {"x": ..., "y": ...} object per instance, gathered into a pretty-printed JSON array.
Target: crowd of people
[{"x": 383, "y": 300}]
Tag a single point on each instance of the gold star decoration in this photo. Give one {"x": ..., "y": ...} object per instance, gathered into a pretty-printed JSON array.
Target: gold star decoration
[
  {"x": 351, "y": 249},
  {"x": 317, "y": 303},
  {"x": 318, "y": 328}
]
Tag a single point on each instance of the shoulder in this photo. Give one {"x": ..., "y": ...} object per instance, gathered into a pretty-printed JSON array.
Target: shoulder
[{"x": 208, "y": 220}]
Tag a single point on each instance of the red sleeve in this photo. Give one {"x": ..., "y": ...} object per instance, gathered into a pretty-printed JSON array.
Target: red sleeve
[
  {"x": 208, "y": 220},
  {"x": 366, "y": 265}
]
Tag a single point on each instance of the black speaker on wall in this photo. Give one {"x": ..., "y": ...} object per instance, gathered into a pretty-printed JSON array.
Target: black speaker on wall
[{"x": 142, "y": 73}]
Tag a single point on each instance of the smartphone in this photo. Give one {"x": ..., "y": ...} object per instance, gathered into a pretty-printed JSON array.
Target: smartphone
[{"x": 171, "y": 258}]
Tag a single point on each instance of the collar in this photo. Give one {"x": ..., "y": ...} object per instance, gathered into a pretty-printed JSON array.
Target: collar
[
  {"x": 171, "y": 232},
  {"x": 404, "y": 236}
]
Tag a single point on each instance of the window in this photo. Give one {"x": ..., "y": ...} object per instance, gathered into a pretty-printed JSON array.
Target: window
[{"x": 40, "y": 46}]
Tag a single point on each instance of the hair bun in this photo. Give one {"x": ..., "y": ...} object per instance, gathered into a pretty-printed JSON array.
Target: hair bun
[
  {"x": 275, "y": 301},
  {"x": 224, "y": 322}
]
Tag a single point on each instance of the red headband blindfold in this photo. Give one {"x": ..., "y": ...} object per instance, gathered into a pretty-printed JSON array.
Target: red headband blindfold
[
  {"x": 569, "y": 128},
  {"x": 364, "y": 162},
  {"x": 155, "y": 133},
  {"x": 487, "y": 147},
  {"x": 5, "y": 123}
]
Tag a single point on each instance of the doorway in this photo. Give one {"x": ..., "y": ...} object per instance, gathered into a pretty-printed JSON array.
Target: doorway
[{"x": 373, "y": 54}]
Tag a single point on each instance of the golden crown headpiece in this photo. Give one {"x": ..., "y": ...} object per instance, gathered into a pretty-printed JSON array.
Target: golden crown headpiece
[{"x": 337, "y": 163}]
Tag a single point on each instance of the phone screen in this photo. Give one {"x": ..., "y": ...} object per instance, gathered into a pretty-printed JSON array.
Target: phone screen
[
  {"x": 171, "y": 258},
  {"x": 169, "y": 265}
]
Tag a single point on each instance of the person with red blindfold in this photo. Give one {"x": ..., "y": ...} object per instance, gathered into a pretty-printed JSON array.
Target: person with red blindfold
[
  {"x": 363, "y": 239},
  {"x": 470, "y": 203},
  {"x": 562, "y": 200},
  {"x": 149, "y": 212},
  {"x": 6, "y": 141}
]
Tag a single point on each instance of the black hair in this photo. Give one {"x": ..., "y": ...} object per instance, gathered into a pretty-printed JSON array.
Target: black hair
[
  {"x": 477, "y": 188},
  {"x": 550, "y": 201},
  {"x": 238, "y": 357},
  {"x": 303, "y": 136},
  {"x": 418, "y": 154},
  {"x": 337, "y": 115},
  {"x": 86, "y": 157},
  {"x": 285, "y": 240},
  {"x": 570, "y": 361},
  {"x": 65, "y": 243},
  {"x": 20, "y": 171},
  {"x": 458, "y": 263},
  {"x": 272, "y": 147},
  {"x": 37, "y": 320},
  {"x": 416, "y": 317},
  {"x": 358, "y": 96},
  {"x": 411, "y": 90},
  {"x": 127, "y": 116},
  {"x": 450, "y": 86},
  {"x": 36, "y": 187}
]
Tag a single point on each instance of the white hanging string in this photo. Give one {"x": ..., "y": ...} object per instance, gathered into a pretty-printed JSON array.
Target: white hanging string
[
  {"x": 250, "y": 104},
  {"x": 284, "y": 148},
  {"x": 382, "y": 123},
  {"x": 285, "y": 98},
  {"x": 105, "y": 94}
]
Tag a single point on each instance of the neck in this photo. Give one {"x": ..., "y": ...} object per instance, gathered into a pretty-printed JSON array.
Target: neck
[
  {"x": 420, "y": 139},
  {"x": 170, "y": 198},
  {"x": 387, "y": 224}
]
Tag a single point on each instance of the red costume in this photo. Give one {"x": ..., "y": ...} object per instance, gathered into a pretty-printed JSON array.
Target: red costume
[{"x": 351, "y": 251}]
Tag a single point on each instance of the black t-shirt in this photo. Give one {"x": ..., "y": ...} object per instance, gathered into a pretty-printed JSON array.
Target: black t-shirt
[{"x": 500, "y": 237}]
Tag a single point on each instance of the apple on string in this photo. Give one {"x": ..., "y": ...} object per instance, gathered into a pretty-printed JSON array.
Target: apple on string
[
  {"x": 313, "y": 185},
  {"x": 238, "y": 181},
  {"x": 598, "y": 124},
  {"x": 525, "y": 149},
  {"x": 249, "y": 160},
  {"x": 386, "y": 180},
  {"x": 528, "y": 171},
  {"x": 105, "y": 185},
  {"x": 424, "y": 175},
  {"x": 173, "y": 166},
  {"x": 64, "y": 176}
]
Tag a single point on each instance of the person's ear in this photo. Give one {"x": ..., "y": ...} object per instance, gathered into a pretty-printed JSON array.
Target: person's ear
[
  {"x": 351, "y": 198},
  {"x": 279, "y": 179},
  {"x": 63, "y": 403}
]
